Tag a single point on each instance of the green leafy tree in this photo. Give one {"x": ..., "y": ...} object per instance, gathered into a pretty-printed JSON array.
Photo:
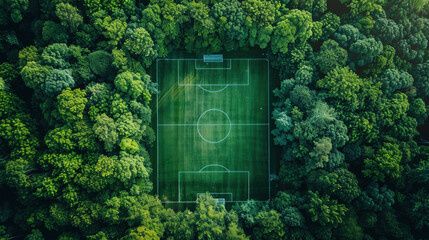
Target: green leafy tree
[
  {"x": 35, "y": 235},
  {"x": 330, "y": 24},
  {"x": 316, "y": 31},
  {"x": 180, "y": 225},
  {"x": 364, "y": 51},
  {"x": 375, "y": 198},
  {"x": 69, "y": 16},
  {"x": 8, "y": 72},
  {"x": 34, "y": 74},
  {"x": 386, "y": 30},
  {"x": 132, "y": 85},
  {"x": 112, "y": 29},
  {"x": 130, "y": 167},
  {"x": 306, "y": 75},
  {"x": 421, "y": 78},
  {"x": 71, "y": 104},
  {"x": 100, "y": 62},
  {"x": 330, "y": 56},
  {"x": 84, "y": 137},
  {"x": 386, "y": 163},
  {"x": 231, "y": 19},
  {"x": 128, "y": 127},
  {"x": 105, "y": 129},
  {"x": 3, "y": 86},
  {"x": 201, "y": 33},
  {"x": 56, "y": 55},
  {"x": 260, "y": 20},
  {"x": 118, "y": 106},
  {"x": 60, "y": 139},
  {"x": 57, "y": 81},
  {"x": 325, "y": 211},
  {"x": 392, "y": 109},
  {"x": 212, "y": 222},
  {"x": 28, "y": 54},
  {"x": 316, "y": 7},
  {"x": 340, "y": 183},
  {"x": 139, "y": 42},
  {"x": 418, "y": 110},
  {"x": 350, "y": 228},
  {"x": 322, "y": 122},
  {"x": 347, "y": 34},
  {"x": 98, "y": 176},
  {"x": 16, "y": 9},
  {"x": 296, "y": 25},
  {"x": 381, "y": 62},
  {"x": 363, "y": 6},
  {"x": 343, "y": 84},
  {"x": 129, "y": 145},
  {"x": 268, "y": 225},
  {"x": 119, "y": 59},
  {"x": 248, "y": 211},
  {"x": 290, "y": 62},
  {"x": 393, "y": 79},
  {"x": 63, "y": 167},
  {"x": 365, "y": 24},
  {"x": 283, "y": 129},
  {"x": 303, "y": 97},
  {"x": 164, "y": 21},
  {"x": 320, "y": 154},
  {"x": 53, "y": 32},
  {"x": 419, "y": 203},
  {"x": 363, "y": 127},
  {"x": 109, "y": 5},
  {"x": 287, "y": 204}
]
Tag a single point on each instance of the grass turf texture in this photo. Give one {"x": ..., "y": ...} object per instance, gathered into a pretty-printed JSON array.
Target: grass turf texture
[{"x": 212, "y": 129}]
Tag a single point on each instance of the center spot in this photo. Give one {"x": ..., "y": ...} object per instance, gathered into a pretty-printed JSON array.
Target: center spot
[{"x": 214, "y": 126}]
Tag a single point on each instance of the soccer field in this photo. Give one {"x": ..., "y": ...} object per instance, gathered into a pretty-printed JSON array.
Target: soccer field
[{"x": 213, "y": 129}]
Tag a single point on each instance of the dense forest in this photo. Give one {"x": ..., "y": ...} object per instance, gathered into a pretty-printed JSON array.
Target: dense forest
[{"x": 349, "y": 113}]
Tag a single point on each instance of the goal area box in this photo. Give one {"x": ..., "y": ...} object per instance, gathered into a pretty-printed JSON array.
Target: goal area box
[
  {"x": 198, "y": 73},
  {"x": 230, "y": 185}
]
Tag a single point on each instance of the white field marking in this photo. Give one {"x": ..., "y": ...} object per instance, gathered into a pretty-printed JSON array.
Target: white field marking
[
  {"x": 213, "y": 193},
  {"x": 210, "y": 91},
  {"x": 212, "y": 124},
  {"x": 199, "y": 85},
  {"x": 205, "y": 172},
  {"x": 157, "y": 142},
  {"x": 248, "y": 72},
  {"x": 268, "y": 90},
  {"x": 198, "y": 129},
  {"x": 214, "y": 165},
  {"x": 202, "y": 68}
]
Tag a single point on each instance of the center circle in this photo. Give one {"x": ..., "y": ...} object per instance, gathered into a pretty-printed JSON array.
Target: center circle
[
  {"x": 213, "y": 89},
  {"x": 213, "y": 139}
]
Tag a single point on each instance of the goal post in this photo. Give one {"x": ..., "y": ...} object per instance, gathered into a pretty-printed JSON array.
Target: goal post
[{"x": 213, "y": 58}]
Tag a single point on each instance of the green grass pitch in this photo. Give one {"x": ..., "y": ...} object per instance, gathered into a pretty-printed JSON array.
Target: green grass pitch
[{"x": 213, "y": 129}]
